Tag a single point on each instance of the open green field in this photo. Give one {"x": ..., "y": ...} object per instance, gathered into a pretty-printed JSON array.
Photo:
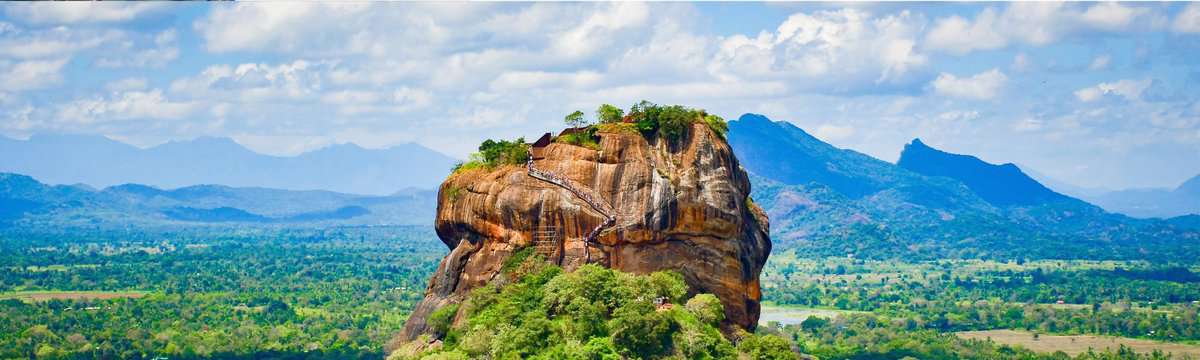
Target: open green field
[
  {"x": 71, "y": 295},
  {"x": 793, "y": 315},
  {"x": 1077, "y": 344}
]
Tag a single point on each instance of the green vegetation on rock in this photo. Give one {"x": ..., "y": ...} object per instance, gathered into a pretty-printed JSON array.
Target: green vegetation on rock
[
  {"x": 542, "y": 312},
  {"x": 493, "y": 153}
]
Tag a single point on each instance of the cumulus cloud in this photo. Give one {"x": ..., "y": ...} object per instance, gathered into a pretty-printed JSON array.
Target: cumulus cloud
[
  {"x": 255, "y": 82},
  {"x": 54, "y": 42},
  {"x": 127, "y": 84},
  {"x": 69, "y": 12},
  {"x": 32, "y": 74},
  {"x": 354, "y": 102},
  {"x": 1035, "y": 23},
  {"x": 960, "y": 36},
  {"x": 266, "y": 26},
  {"x": 162, "y": 50},
  {"x": 982, "y": 86},
  {"x": 1129, "y": 89},
  {"x": 124, "y": 105},
  {"x": 844, "y": 48},
  {"x": 1188, "y": 20}
]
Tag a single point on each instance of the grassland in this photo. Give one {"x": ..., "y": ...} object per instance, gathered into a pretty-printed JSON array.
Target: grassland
[
  {"x": 35, "y": 296},
  {"x": 1077, "y": 344},
  {"x": 792, "y": 315}
]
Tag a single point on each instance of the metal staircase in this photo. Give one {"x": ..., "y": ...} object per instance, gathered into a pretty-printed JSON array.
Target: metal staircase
[{"x": 601, "y": 207}]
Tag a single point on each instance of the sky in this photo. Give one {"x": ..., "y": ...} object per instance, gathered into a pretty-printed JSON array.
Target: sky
[{"x": 1100, "y": 95}]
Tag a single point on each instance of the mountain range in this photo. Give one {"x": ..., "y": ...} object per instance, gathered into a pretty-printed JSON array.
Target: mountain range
[
  {"x": 930, "y": 204},
  {"x": 821, "y": 199},
  {"x": 1146, "y": 203},
  {"x": 29, "y": 204},
  {"x": 101, "y": 162}
]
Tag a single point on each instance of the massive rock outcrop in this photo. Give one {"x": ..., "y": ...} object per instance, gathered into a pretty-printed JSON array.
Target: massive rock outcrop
[{"x": 681, "y": 205}]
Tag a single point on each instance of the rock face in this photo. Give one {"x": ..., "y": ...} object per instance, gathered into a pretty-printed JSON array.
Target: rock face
[{"x": 683, "y": 206}]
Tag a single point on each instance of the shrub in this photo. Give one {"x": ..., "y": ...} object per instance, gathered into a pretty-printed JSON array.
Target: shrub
[
  {"x": 617, "y": 128},
  {"x": 707, "y": 308},
  {"x": 540, "y": 312},
  {"x": 673, "y": 122},
  {"x": 766, "y": 347},
  {"x": 440, "y": 320},
  {"x": 717, "y": 124},
  {"x": 587, "y": 139},
  {"x": 493, "y": 153},
  {"x": 639, "y": 331}
]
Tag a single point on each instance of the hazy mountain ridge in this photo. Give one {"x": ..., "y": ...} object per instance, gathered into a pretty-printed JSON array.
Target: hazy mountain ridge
[
  {"x": 1001, "y": 185},
  {"x": 1163, "y": 203},
  {"x": 26, "y": 202},
  {"x": 101, "y": 162},
  {"x": 877, "y": 209}
]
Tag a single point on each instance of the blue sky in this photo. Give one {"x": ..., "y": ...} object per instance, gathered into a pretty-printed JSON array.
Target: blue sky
[{"x": 1094, "y": 94}]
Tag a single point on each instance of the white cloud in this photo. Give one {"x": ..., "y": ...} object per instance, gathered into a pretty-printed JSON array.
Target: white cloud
[
  {"x": 1035, "y": 23},
  {"x": 835, "y": 50},
  {"x": 31, "y": 75},
  {"x": 267, "y": 26},
  {"x": 1100, "y": 62},
  {"x": 981, "y": 86},
  {"x": 1188, "y": 20},
  {"x": 596, "y": 32},
  {"x": 829, "y": 132},
  {"x": 960, "y": 36},
  {"x": 164, "y": 50},
  {"x": 1111, "y": 15},
  {"x": 959, "y": 115},
  {"x": 54, "y": 42},
  {"x": 127, "y": 105},
  {"x": 254, "y": 82},
  {"x": 524, "y": 80},
  {"x": 67, "y": 12},
  {"x": 1128, "y": 89},
  {"x": 1028, "y": 125},
  {"x": 355, "y": 102},
  {"x": 127, "y": 84}
]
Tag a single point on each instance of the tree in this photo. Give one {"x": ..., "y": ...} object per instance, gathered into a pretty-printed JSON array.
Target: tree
[
  {"x": 766, "y": 347},
  {"x": 609, "y": 114},
  {"x": 575, "y": 119},
  {"x": 673, "y": 121},
  {"x": 707, "y": 308}
]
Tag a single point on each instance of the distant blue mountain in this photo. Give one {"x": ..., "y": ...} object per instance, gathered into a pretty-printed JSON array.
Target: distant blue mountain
[
  {"x": 829, "y": 201},
  {"x": 30, "y": 204},
  {"x": 1147, "y": 203},
  {"x": 101, "y": 162},
  {"x": 1001, "y": 185}
]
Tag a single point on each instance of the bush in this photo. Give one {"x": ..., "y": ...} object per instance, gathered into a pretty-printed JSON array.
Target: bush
[
  {"x": 587, "y": 139},
  {"x": 592, "y": 313},
  {"x": 673, "y": 122},
  {"x": 766, "y": 347},
  {"x": 493, "y": 153},
  {"x": 717, "y": 124},
  {"x": 617, "y": 128},
  {"x": 640, "y": 331},
  {"x": 707, "y": 308},
  {"x": 440, "y": 320}
]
